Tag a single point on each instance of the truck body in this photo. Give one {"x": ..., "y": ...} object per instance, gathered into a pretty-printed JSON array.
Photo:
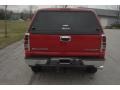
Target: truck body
[{"x": 61, "y": 36}]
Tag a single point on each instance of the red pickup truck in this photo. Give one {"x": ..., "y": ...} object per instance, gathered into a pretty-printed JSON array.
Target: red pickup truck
[{"x": 65, "y": 37}]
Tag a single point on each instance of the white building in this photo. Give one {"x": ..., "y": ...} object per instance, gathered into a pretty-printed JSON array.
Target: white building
[{"x": 107, "y": 17}]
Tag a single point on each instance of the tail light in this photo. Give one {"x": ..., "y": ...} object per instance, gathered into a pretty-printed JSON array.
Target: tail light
[
  {"x": 26, "y": 41},
  {"x": 103, "y": 43}
]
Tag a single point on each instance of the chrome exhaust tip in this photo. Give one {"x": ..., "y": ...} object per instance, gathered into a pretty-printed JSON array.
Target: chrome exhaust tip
[{"x": 100, "y": 67}]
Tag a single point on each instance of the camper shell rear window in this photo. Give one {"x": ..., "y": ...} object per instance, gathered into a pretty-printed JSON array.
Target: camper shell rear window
[{"x": 65, "y": 22}]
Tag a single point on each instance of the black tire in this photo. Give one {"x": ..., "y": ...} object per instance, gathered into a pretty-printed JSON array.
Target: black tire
[
  {"x": 91, "y": 69},
  {"x": 35, "y": 69}
]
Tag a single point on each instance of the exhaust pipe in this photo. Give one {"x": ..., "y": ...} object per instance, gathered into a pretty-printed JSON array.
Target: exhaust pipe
[{"x": 100, "y": 67}]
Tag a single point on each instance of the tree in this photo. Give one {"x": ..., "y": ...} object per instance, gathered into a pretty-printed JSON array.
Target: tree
[
  {"x": 30, "y": 11},
  {"x": 65, "y": 6},
  {"x": 24, "y": 14},
  {"x": 5, "y": 21},
  {"x": 2, "y": 15}
]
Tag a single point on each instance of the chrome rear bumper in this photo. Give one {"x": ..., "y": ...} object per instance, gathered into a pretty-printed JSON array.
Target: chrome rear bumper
[{"x": 98, "y": 63}]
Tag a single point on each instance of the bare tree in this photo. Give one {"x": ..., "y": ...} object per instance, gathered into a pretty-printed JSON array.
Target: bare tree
[
  {"x": 31, "y": 11},
  {"x": 64, "y": 6},
  {"x": 5, "y": 21}
]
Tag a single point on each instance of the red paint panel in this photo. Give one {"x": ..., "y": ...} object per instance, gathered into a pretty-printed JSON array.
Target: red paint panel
[{"x": 78, "y": 44}]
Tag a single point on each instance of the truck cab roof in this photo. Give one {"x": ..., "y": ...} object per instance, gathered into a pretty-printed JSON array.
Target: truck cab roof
[{"x": 66, "y": 9}]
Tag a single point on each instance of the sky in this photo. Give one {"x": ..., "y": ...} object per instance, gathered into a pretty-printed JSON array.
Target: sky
[{"x": 19, "y": 8}]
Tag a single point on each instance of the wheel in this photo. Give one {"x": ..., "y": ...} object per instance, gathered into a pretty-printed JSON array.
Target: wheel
[
  {"x": 91, "y": 69},
  {"x": 35, "y": 69}
]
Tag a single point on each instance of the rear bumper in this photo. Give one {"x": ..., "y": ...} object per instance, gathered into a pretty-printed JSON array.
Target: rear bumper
[{"x": 98, "y": 63}]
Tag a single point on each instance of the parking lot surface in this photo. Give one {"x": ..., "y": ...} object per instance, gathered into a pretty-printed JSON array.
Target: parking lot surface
[{"x": 14, "y": 70}]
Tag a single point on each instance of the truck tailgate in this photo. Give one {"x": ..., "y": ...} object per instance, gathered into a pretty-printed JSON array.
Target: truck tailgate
[{"x": 78, "y": 44}]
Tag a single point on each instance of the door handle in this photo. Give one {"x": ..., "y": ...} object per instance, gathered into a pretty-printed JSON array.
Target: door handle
[{"x": 65, "y": 38}]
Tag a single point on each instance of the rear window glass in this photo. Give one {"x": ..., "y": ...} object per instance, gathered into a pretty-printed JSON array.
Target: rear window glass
[{"x": 56, "y": 22}]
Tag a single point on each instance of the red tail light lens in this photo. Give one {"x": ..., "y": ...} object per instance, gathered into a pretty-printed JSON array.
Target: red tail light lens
[
  {"x": 103, "y": 43},
  {"x": 26, "y": 41}
]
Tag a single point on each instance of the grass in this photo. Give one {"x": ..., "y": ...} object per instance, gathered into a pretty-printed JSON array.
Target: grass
[{"x": 16, "y": 30}]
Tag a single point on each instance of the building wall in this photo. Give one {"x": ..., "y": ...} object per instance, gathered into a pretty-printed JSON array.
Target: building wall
[
  {"x": 103, "y": 21},
  {"x": 106, "y": 21}
]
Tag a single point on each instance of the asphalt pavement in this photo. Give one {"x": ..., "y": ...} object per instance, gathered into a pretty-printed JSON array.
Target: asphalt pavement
[{"x": 14, "y": 70}]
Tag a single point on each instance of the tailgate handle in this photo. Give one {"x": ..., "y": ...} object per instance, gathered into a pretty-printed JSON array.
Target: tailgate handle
[{"x": 65, "y": 38}]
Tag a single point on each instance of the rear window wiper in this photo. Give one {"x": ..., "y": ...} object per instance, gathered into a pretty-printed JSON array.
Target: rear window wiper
[
  {"x": 33, "y": 28},
  {"x": 98, "y": 29}
]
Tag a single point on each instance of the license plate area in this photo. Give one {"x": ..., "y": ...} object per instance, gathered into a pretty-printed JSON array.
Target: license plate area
[
  {"x": 61, "y": 60},
  {"x": 65, "y": 61}
]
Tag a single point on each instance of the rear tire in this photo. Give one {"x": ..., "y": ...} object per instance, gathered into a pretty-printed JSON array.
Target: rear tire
[
  {"x": 91, "y": 69},
  {"x": 35, "y": 69}
]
